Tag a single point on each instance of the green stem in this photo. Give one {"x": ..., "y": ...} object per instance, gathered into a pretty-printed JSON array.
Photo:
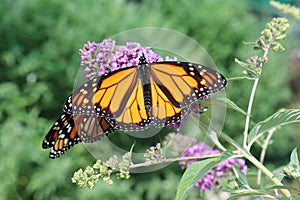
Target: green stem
[
  {"x": 249, "y": 113},
  {"x": 263, "y": 152},
  {"x": 170, "y": 160},
  {"x": 266, "y": 49}
]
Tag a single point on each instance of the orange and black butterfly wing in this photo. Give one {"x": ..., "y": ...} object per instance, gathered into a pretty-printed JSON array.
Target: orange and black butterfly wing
[
  {"x": 62, "y": 136},
  {"x": 81, "y": 101},
  {"x": 92, "y": 128},
  {"x": 117, "y": 96},
  {"x": 69, "y": 130},
  {"x": 175, "y": 85},
  {"x": 164, "y": 109},
  {"x": 105, "y": 96},
  {"x": 134, "y": 115}
]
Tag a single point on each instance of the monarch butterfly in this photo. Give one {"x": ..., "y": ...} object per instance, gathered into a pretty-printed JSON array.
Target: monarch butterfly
[
  {"x": 69, "y": 130},
  {"x": 157, "y": 94}
]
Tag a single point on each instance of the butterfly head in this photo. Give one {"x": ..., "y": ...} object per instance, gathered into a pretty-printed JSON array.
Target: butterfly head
[{"x": 142, "y": 59}]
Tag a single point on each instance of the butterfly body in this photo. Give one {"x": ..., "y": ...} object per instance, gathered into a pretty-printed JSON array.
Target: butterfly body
[{"x": 144, "y": 75}]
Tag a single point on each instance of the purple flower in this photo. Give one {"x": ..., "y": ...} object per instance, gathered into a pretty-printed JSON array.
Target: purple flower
[
  {"x": 256, "y": 61},
  {"x": 223, "y": 169},
  {"x": 101, "y": 58},
  {"x": 252, "y": 59}
]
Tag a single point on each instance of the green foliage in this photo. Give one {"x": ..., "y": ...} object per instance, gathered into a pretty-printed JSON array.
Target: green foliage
[
  {"x": 195, "y": 172},
  {"x": 279, "y": 118},
  {"x": 293, "y": 168},
  {"x": 39, "y": 60}
]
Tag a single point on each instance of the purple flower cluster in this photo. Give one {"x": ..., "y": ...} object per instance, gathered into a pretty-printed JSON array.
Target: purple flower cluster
[
  {"x": 101, "y": 58},
  {"x": 223, "y": 169}
]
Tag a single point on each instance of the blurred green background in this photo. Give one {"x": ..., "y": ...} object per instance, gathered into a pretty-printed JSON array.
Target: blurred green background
[{"x": 39, "y": 60}]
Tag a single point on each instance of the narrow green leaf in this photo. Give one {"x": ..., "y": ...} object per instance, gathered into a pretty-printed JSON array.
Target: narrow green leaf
[
  {"x": 295, "y": 159},
  {"x": 287, "y": 9},
  {"x": 280, "y": 118},
  {"x": 293, "y": 168},
  {"x": 246, "y": 67},
  {"x": 280, "y": 187},
  {"x": 241, "y": 177},
  {"x": 249, "y": 193},
  {"x": 232, "y": 105},
  {"x": 212, "y": 133},
  {"x": 240, "y": 78},
  {"x": 194, "y": 172}
]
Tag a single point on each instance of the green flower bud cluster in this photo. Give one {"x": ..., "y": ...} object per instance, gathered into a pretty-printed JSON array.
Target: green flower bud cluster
[
  {"x": 91, "y": 175},
  {"x": 268, "y": 40},
  {"x": 272, "y": 34}
]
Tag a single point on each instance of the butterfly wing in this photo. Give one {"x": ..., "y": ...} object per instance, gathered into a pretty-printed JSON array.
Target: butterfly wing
[
  {"x": 69, "y": 130},
  {"x": 117, "y": 96},
  {"x": 92, "y": 128},
  {"x": 61, "y": 137},
  {"x": 133, "y": 116},
  {"x": 105, "y": 96},
  {"x": 175, "y": 85},
  {"x": 80, "y": 102},
  {"x": 163, "y": 110}
]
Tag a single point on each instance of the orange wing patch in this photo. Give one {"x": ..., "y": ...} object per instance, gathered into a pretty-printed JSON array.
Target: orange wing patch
[
  {"x": 162, "y": 108},
  {"x": 119, "y": 84},
  {"x": 134, "y": 114}
]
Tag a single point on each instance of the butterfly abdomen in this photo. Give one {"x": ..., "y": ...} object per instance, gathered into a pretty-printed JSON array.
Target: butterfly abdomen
[
  {"x": 144, "y": 74},
  {"x": 147, "y": 97}
]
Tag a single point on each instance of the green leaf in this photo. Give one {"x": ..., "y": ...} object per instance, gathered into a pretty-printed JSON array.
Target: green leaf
[
  {"x": 241, "y": 78},
  {"x": 280, "y": 187},
  {"x": 241, "y": 177},
  {"x": 249, "y": 193},
  {"x": 294, "y": 159},
  {"x": 295, "y": 197},
  {"x": 282, "y": 117},
  {"x": 293, "y": 168},
  {"x": 232, "y": 105},
  {"x": 195, "y": 171},
  {"x": 246, "y": 67}
]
